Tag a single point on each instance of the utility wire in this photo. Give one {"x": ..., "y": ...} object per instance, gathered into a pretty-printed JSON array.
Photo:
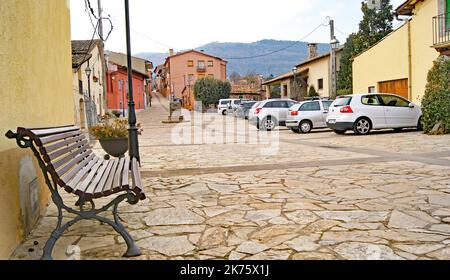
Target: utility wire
[
  {"x": 279, "y": 50},
  {"x": 142, "y": 34},
  {"x": 91, "y": 13}
]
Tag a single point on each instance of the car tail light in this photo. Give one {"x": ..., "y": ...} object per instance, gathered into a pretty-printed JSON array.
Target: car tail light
[
  {"x": 294, "y": 113},
  {"x": 258, "y": 110},
  {"x": 346, "y": 110}
]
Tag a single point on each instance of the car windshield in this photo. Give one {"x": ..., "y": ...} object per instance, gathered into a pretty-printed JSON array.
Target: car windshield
[
  {"x": 342, "y": 101},
  {"x": 249, "y": 105},
  {"x": 224, "y": 102},
  {"x": 327, "y": 104},
  {"x": 295, "y": 107}
]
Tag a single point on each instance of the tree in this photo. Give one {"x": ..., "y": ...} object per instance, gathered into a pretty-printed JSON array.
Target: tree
[
  {"x": 312, "y": 92},
  {"x": 374, "y": 26},
  {"x": 209, "y": 91},
  {"x": 435, "y": 104}
]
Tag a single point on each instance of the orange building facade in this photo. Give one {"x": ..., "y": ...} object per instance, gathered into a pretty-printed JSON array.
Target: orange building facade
[{"x": 183, "y": 69}]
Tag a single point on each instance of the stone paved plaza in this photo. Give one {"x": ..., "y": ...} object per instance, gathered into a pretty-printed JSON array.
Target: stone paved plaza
[{"x": 319, "y": 196}]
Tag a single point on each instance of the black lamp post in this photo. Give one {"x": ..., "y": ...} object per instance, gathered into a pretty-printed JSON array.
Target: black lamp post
[
  {"x": 294, "y": 71},
  {"x": 88, "y": 72},
  {"x": 133, "y": 130}
]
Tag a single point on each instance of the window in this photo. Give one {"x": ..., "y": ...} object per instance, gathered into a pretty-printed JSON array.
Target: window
[
  {"x": 211, "y": 76},
  {"x": 394, "y": 101},
  {"x": 290, "y": 104},
  {"x": 371, "y": 100},
  {"x": 201, "y": 64},
  {"x": 224, "y": 102},
  {"x": 279, "y": 104},
  {"x": 210, "y": 63},
  {"x": 310, "y": 106},
  {"x": 320, "y": 83},
  {"x": 120, "y": 82},
  {"x": 343, "y": 101},
  {"x": 327, "y": 105},
  {"x": 371, "y": 90},
  {"x": 190, "y": 63},
  {"x": 191, "y": 77},
  {"x": 201, "y": 76}
]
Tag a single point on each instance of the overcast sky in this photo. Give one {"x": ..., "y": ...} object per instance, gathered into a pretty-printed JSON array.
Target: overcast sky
[{"x": 186, "y": 24}]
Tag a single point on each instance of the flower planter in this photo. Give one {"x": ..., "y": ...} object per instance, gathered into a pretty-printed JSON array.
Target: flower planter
[{"x": 115, "y": 147}]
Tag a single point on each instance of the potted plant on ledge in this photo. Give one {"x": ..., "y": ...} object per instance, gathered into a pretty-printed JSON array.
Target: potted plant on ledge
[{"x": 112, "y": 134}]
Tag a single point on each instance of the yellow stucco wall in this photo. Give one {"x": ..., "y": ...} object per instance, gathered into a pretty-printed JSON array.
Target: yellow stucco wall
[
  {"x": 320, "y": 69},
  {"x": 388, "y": 60},
  {"x": 36, "y": 90},
  {"x": 423, "y": 54}
]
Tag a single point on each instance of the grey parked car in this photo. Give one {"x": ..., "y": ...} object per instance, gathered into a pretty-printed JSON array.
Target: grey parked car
[
  {"x": 243, "y": 110},
  {"x": 309, "y": 115}
]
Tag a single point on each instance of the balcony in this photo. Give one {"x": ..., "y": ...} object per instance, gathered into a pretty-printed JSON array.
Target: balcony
[
  {"x": 441, "y": 33},
  {"x": 201, "y": 69}
]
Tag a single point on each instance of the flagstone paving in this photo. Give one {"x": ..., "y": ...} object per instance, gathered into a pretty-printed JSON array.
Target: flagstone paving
[{"x": 323, "y": 196}]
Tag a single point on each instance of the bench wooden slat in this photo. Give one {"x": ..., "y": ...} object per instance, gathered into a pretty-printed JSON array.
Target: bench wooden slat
[
  {"x": 108, "y": 188},
  {"x": 42, "y": 132},
  {"x": 125, "y": 174},
  {"x": 89, "y": 192},
  {"x": 97, "y": 192},
  {"x": 77, "y": 146},
  {"x": 71, "y": 159},
  {"x": 68, "y": 176},
  {"x": 81, "y": 174},
  {"x": 118, "y": 175},
  {"x": 66, "y": 142},
  {"x": 137, "y": 183},
  {"x": 54, "y": 138},
  {"x": 82, "y": 186}
]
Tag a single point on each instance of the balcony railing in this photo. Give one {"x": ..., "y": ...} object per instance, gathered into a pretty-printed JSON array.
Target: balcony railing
[
  {"x": 441, "y": 29},
  {"x": 201, "y": 69}
]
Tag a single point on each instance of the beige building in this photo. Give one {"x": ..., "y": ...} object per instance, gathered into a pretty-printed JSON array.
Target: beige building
[
  {"x": 400, "y": 62},
  {"x": 313, "y": 72},
  {"x": 36, "y": 89},
  {"x": 88, "y": 54}
]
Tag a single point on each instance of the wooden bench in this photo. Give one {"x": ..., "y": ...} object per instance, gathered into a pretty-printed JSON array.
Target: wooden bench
[{"x": 67, "y": 162}]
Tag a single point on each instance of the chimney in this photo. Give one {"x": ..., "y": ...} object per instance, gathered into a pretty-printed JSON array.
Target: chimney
[
  {"x": 312, "y": 50},
  {"x": 171, "y": 52}
]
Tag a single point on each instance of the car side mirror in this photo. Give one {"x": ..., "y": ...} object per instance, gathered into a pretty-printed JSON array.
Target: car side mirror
[{"x": 411, "y": 105}]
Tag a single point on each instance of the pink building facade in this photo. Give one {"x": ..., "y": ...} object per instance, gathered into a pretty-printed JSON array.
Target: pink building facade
[{"x": 185, "y": 68}]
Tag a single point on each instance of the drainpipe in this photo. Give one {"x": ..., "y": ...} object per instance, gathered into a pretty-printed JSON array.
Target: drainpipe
[{"x": 409, "y": 61}]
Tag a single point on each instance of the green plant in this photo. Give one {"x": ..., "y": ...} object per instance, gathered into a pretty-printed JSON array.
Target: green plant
[
  {"x": 209, "y": 91},
  {"x": 436, "y": 102},
  {"x": 312, "y": 92},
  {"x": 110, "y": 128},
  {"x": 341, "y": 92},
  {"x": 374, "y": 26}
]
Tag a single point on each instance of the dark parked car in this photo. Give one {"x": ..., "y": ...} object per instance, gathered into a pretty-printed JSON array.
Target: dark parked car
[{"x": 243, "y": 109}]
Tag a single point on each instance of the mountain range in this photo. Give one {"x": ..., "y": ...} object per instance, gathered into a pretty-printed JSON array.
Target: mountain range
[{"x": 266, "y": 57}]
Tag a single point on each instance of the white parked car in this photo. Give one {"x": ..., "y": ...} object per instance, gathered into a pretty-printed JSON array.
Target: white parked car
[
  {"x": 365, "y": 112},
  {"x": 226, "y": 106},
  {"x": 308, "y": 115},
  {"x": 268, "y": 114}
]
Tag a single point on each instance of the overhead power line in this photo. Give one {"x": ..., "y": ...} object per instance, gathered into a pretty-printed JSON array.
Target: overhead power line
[{"x": 279, "y": 50}]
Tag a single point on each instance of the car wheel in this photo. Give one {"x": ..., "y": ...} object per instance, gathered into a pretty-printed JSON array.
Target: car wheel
[
  {"x": 362, "y": 126},
  {"x": 224, "y": 112},
  {"x": 305, "y": 126},
  {"x": 268, "y": 124},
  {"x": 420, "y": 125},
  {"x": 340, "y": 132}
]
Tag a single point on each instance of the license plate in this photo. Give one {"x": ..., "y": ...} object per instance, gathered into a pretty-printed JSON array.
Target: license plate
[{"x": 331, "y": 121}]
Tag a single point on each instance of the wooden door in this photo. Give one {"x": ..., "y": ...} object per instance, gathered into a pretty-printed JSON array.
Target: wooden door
[{"x": 399, "y": 87}]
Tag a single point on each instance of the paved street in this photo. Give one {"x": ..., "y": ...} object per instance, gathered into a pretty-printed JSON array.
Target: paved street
[{"x": 315, "y": 196}]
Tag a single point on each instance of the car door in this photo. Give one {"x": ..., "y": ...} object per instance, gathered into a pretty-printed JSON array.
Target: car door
[
  {"x": 313, "y": 112},
  {"x": 397, "y": 111},
  {"x": 372, "y": 107},
  {"x": 325, "y": 109}
]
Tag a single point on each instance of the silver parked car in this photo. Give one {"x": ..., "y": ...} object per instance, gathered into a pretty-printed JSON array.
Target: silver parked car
[
  {"x": 308, "y": 115},
  {"x": 269, "y": 114}
]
